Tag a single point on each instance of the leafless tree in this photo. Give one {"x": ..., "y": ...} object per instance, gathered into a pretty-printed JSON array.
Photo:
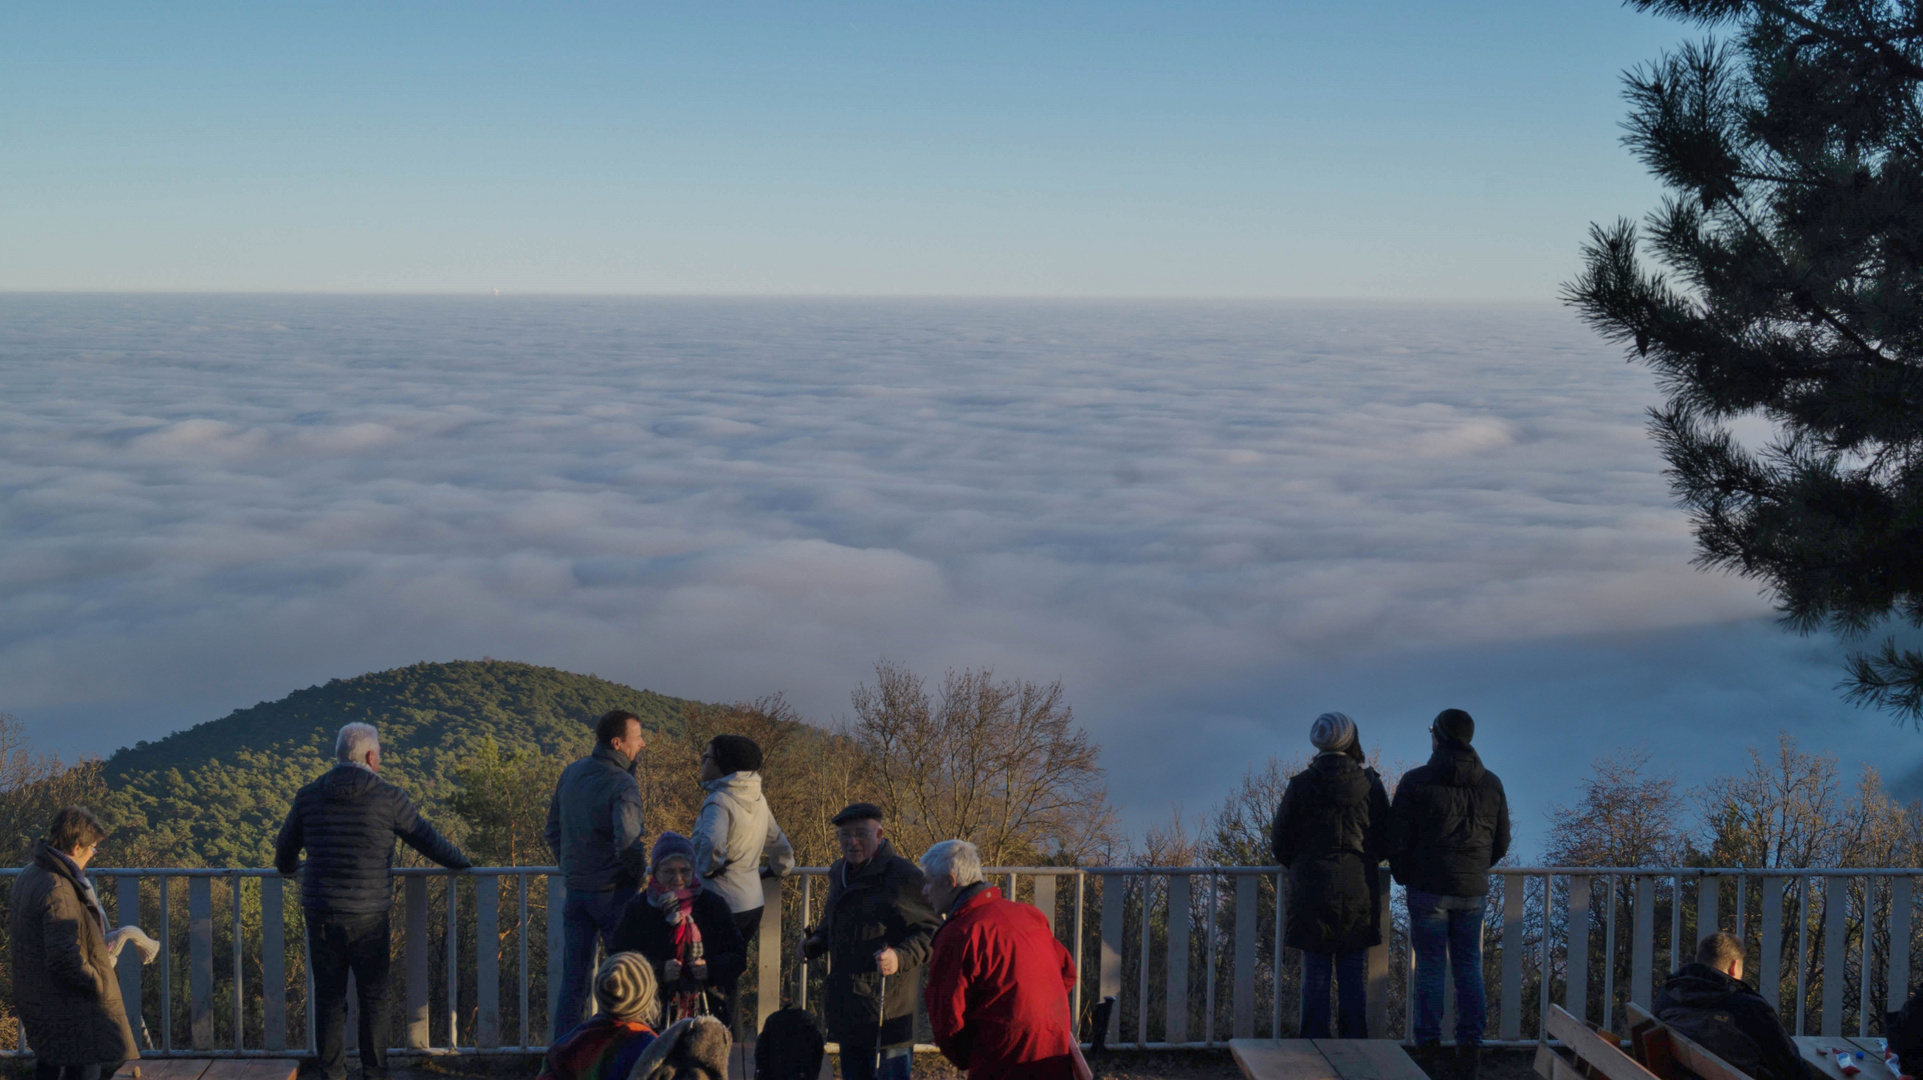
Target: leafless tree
[
  {"x": 1627, "y": 816},
  {"x": 1000, "y": 763}
]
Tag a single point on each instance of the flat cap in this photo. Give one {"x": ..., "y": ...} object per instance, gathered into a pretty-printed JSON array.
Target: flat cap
[{"x": 856, "y": 812}]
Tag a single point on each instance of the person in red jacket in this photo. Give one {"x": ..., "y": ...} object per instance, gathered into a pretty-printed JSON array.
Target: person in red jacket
[{"x": 998, "y": 981}]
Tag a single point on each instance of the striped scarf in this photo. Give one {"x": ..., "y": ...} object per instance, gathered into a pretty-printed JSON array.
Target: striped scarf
[{"x": 677, "y": 906}]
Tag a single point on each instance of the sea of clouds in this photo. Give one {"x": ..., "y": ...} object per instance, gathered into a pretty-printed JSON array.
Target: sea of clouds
[{"x": 1211, "y": 521}]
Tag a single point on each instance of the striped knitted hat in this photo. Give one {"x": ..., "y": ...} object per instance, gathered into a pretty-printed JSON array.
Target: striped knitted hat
[
  {"x": 624, "y": 988},
  {"x": 1332, "y": 732}
]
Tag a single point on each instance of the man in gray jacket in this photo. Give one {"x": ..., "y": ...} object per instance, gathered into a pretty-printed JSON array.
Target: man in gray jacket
[{"x": 596, "y": 833}]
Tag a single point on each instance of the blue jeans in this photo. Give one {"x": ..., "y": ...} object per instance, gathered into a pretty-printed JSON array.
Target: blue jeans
[
  {"x": 587, "y": 919},
  {"x": 1447, "y": 931},
  {"x": 1350, "y": 971},
  {"x": 860, "y": 1064}
]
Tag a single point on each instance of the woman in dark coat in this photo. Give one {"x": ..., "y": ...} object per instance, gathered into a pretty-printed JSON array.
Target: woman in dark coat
[
  {"x": 686, "y": 932},
  {"x": 1331, "y": 831},
  {"x": 64, "y": 987}
]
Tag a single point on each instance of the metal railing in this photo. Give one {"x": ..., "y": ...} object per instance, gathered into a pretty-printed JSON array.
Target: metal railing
[{"x": 1189, "y": 953}]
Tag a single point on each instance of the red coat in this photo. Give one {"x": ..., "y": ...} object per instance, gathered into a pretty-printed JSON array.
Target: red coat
[{"x": 998, "y": 992}]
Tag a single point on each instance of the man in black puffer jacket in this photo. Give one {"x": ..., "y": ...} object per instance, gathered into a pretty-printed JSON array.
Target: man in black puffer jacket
[
  {"x": 347, "y": 821},
  {"x": 1448, "y": 825},
  {"x": 1710, "y": 1004}
]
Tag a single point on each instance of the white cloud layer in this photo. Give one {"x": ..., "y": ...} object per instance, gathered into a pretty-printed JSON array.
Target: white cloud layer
[{"x": 1233, "y": 513}]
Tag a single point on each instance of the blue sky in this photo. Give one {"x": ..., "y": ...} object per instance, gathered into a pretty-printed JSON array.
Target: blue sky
[{"x": 1383, "y": 149}]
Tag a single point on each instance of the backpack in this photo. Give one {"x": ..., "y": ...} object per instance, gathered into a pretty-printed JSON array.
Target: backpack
[{"x": 790, "y": 1047}]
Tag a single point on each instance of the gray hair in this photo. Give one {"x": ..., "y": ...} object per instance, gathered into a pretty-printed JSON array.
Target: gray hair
[
  {"x": 356, "y": 741},
  {"x": 957, "y": 859}
]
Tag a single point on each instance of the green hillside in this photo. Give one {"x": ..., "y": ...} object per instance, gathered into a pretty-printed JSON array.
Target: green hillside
[{"x": 214, "y": 795}]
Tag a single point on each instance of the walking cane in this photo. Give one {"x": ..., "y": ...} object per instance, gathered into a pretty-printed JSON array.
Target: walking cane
[{"x": 881, "y": 1020}]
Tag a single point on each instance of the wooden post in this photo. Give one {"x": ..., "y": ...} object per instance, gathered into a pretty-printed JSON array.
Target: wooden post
[
  {"x": 1245, "y": 938},
  {"x": 1175, "y": 1010},
  {"x": 273, "y": 963},
  {"x": 200, "y": 960}
]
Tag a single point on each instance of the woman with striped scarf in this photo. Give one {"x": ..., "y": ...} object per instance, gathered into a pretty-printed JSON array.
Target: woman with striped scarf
[{"x": 686, "y": 932}]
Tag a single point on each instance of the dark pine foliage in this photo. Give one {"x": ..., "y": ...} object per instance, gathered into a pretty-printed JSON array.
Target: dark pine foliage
[{"x": 1789, "y": 287}]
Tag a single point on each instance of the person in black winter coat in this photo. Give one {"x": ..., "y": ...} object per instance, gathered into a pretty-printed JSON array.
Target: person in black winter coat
[
  {"x": 1331, "y": 831},
  {"x": 650, "y": 923},
  {"x": 347, "y": 821},
  {"x": 877, "y": 930},
  {"x": 1449, "y": 823},
  {"x": 1709, "y": 1003}
]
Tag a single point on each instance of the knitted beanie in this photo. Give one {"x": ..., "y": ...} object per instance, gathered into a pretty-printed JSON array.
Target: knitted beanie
[
  {"x": 624, "y": 988},
  {"x": 1455, "y": 724},
  {"x": 735, "y": 753},
  {"x": 1332, "y": 732},
  {"x": 668, "y": 846}
]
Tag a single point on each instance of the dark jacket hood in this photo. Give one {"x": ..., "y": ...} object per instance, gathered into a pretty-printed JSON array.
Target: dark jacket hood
[
  {"x": 1338, "y": 778},
  {"x": 1457, "y": 764},
  {"x": 46, "y": 858},
  {"x": 1701, "y": 986}
]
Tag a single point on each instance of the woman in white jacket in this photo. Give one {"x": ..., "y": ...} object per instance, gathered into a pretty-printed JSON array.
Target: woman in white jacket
[{"x": 736, "y": 829}]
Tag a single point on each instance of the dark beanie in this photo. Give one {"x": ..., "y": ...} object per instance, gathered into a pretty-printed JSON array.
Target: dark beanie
[
  {"x": 735, "y": 753},
  {"x": 1455, "y": 724}
]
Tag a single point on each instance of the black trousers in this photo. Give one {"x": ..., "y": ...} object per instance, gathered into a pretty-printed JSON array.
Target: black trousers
[{"x": 338, "y": 944}]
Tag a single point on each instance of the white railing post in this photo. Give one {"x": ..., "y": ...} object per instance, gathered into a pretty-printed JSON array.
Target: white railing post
[
  {"x": 1575, "y": 992},
  {"x": 1114, "y": 895},
  {"x": 1245, "y": 938},
  {"x": 1510, "y": 1026}
]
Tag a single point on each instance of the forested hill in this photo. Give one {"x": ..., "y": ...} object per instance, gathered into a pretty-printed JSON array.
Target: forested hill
[{"x": 215, "y": 794}]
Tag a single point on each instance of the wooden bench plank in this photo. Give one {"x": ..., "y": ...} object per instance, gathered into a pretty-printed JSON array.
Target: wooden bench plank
[
  {"x": 1553, "y": 1066},
  {"x": 1347, "y": 1059},
  {"x": 1281, "y": 1059},
  {"x": 1392, "y": 1062},
  {"x": 1600, "y": 1053},
  {"x": 252, "y": 1069},
  {"x": 166, "y": 1068}
]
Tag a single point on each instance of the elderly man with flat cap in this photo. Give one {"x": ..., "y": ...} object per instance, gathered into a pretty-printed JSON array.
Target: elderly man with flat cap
[{"x": 876, "y": 930}]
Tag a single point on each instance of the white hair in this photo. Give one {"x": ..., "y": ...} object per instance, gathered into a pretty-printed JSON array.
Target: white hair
[
  {"x": 356, "y": 741},
  {"x": 957, "y": 859}
]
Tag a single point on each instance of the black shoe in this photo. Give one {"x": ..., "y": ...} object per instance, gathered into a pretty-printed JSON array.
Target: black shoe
[
  {"x": 1468, "y": 1061},
  {"x": 1427, "y": 1056}
]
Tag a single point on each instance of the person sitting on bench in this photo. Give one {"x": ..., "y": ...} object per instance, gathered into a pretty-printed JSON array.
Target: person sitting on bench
[{"x": 1708, "y": 1003}]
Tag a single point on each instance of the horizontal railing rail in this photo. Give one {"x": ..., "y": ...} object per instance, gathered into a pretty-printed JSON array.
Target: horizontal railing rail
[{"x": 1192, "y": 955}]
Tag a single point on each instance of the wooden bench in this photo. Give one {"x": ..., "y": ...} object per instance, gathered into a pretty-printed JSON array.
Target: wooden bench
[
  {"x": 1323, "y": 1059},
  {"x": 1587, "y": 1054},
  {"x": 209, "y": 1069},
  {"x": 1668, "y": 1052}
]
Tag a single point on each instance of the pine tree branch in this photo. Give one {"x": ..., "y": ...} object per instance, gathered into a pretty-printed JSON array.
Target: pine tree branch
[{"x": 1890, "y": 54}]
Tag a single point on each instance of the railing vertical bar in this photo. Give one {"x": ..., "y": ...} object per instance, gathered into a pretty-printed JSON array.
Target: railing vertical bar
[
  {"x": 1742, "y": 911},
  {"x": 1081, "y": 903},
  {"x": 557, "y": 949},
  {"x": 1208, "y": 1003},
  {"x": 1044, "y": 899},
  {"x": 1675, "y": 924},
  {"x": 414, "y": 960},
  {"x": 240, "y": 1026},
  {"x": 1836, "y": 913},
  {"x": 1642, "y": 945},
  {"x": 1804, "y": 887},
  {"x": 520, "y": 935},
  {"x": 1548, "y": 967},
  {"x": 1510, "y": 1026},
  {"x": 453, "y": 964},
  {"x": 1245, "y": 939},
  {"x": 166, "y": 967},
  {"x": 1709, "y": 910},
  {"x": 273, "y": 964},
  {"x": 1378, "y": 989},
  {"x": 1141, "y": 964},
  {"x": 1864, "y": 967},
  {"x": 127, "y": 913},
  {"x": 1899, "y": 972},
  {"x": 1769, "y": 966},
  {"x": 487, "y": 962},
  {"x": 307, "y": 976},
  {"x": 1608, "y": 952},
  {"x": 1175, "y": 1021},
  {"x": 768, "y": 977},
  {"x": 1280, "y": 963},
  {"x": 1113, "y": 897},
  {"x": 200, "y": 961},
  {"x": 1575, "y": 991}
]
